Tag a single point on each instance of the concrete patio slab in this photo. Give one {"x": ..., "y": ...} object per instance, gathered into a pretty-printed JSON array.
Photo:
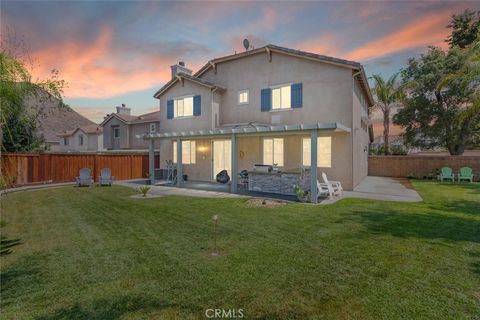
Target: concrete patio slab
[
  {"x": 382, "y": 188},
  {"x": 163, "y": 190},
  {"x": 375, "y": 188}
]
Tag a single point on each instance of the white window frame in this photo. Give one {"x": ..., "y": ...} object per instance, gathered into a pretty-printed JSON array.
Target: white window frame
[
  {"x": 240, "y": 92},
  {"x": 188, "y": 156},
  {"x": 320, "y": 163},
  {"x": 175, "y": 107},
  {"x": 116, "y": 129},
  {"x": 80, "y": 140},
  {"x": 280, "y": 162},
  {"x": 153, "y": 127},
  {"x": 282, "y": 108},
  {"x": 66, "y": 141}
]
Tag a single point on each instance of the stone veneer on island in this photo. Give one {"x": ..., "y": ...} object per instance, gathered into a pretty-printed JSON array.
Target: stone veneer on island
[{"x": 279, "y": 182}]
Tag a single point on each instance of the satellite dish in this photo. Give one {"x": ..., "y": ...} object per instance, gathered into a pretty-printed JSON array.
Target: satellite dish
[{"x": 246, "y": 44}]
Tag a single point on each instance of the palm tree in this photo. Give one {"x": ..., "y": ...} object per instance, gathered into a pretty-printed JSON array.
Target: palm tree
[{"x": 386, "y": 93}]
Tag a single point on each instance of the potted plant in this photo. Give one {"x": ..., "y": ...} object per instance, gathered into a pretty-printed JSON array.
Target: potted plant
[
  {"x": 302, "y": 196},
  {"x": 275, "y": 167}
]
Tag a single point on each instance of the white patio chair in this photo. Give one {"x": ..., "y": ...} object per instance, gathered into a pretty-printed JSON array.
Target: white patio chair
[
  {"x": 336, "y": 185},
  {"x": 324, "y": 190}
]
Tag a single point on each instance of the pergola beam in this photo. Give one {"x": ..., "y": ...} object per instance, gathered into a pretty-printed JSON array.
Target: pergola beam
[
  {"x": 234, "y": 173},
  {"x": 313, "y": 166},
  {"x": 179, "y": 162}
]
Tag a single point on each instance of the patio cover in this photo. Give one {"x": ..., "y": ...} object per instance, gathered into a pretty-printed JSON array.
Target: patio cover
[
  {"x": 236, "y": 130},
  {"x": 249, "y": 128}
]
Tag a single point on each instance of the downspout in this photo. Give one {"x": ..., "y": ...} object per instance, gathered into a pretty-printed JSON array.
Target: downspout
[
  {"x": 353, "y": 129},
  {"x": 211, "y": 108}
]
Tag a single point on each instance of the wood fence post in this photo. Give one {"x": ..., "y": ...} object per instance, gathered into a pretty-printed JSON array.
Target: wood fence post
[
  {"x": 95, "y": 170},
  {"x": 131, "y": 166}
]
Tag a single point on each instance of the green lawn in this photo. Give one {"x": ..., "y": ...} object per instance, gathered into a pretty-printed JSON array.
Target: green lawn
[{"x": 96, "y": 253}]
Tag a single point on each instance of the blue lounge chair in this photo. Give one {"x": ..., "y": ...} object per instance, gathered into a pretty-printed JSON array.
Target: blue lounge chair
[
  {"x": 105, "y": 178},
  {"x": 446, "y": 174},
  {"x": 465, "y": 174},
  {"x": 84, "y": 178}
]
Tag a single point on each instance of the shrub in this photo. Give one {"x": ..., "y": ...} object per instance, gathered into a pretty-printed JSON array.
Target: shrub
[{"x": 144, "y": 190}]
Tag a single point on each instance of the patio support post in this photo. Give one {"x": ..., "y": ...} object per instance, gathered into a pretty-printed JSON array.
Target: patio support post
[
  {"x": 313, "y": 166},
  {"x": 179, "y": 162},
  {"x": 151, "y": 161},
  {"x": 234, "y": 173}
]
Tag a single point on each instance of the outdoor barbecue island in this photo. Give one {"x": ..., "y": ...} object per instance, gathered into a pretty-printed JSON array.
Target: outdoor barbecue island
[{"x": 280, "y": 182}]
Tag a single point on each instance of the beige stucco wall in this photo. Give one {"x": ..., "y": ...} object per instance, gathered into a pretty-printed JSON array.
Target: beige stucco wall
[
  {"x": 128, "y": 132},
  {"x": 90, "y": 142},
  {"x": 360, "y": 142},
  {"x": 326, "y": 89},
  {"x": 124, "y": 141},
  {"x": 140, "y": 129},
  {"x": 251, "y": 149},
  {"x": 203, "y": 121}
]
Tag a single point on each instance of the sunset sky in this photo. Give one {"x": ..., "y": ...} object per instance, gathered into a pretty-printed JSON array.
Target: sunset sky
[{"x": 120, "y": 52}]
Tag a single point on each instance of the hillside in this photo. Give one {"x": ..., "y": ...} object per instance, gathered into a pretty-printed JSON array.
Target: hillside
[{"x": 54, "y": 119}]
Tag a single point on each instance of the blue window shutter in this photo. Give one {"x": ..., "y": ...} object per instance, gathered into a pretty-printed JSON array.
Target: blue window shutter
[
  {"x": 296, "y": 95},
  {"x": 266, "y": 100},
  {"x": 169, "y": 109},
  {"x": 197, "y": 105}
]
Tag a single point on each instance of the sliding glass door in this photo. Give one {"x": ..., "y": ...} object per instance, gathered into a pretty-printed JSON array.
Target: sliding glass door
[{"x": 222, "y": 156}]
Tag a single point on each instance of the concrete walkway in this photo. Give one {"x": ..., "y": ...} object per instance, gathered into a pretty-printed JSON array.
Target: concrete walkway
[
  {"x": 37, "y": 187},
  {"x": 382, "y": 188}
]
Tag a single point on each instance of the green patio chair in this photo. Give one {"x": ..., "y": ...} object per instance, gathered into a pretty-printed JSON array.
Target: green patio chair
[
  {"x": 446, "y": 174},
  {"x": 465, "y": 173}
]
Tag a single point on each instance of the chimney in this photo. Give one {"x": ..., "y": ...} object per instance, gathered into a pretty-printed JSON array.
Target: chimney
[
  {"x": 180, "y": 67},
  {"x": 123, "y": 110}
]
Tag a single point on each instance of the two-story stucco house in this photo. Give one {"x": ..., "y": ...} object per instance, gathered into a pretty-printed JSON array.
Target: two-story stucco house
[
  {"x": 270, "y": 106},
  {"x": 81, "y": 139},
  {"x": 121, "y": 128}
]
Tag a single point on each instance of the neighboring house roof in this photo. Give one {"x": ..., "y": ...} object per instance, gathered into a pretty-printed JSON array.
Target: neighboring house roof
[
  {"x": 181, "y": 76},
  {"x": 129, "y": 119},
  {"x": 298, "y": 53},
  {"x": 90, "y": 129}
]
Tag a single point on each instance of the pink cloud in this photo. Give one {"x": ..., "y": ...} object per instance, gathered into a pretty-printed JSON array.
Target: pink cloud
[
  {"x": 424, "y": 31},
  {"x": 97, "y": 70},
  {"x": 325, "y": 44}
]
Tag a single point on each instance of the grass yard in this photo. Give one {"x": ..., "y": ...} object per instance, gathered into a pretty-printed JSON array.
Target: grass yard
[{"x": 96, "y": 253}]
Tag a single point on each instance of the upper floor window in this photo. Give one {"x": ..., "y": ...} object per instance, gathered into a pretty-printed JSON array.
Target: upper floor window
[
  {"x": 80, "y": 140},
  {"x": 188, "y": 152},
  {"x": 273, "y": 151},
  {"x": 281, "y": 97},
  {"x": 243, "y": 97},
  {"x": 153, "y": 127},
  {"x": 116, "y": 132},
  {"x": 66, "y": 141},
  {"x": 324, "y": 152},
  {"x": 183, "y": 107}
]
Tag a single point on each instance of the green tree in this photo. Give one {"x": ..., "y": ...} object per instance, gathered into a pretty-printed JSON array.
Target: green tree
[
  {"x": 387, "y": 94},
  {"x": 465, "y": 27},
  {"x": 442, "y": 107},
  {"x": 17, "y": 124}
]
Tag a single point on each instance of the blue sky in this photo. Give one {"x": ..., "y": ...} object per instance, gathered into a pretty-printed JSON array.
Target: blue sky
[{"x": 120, "y": 52}]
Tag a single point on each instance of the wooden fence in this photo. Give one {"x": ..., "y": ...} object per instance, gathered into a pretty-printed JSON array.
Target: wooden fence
[
  {"x": 420, "y": 165},
  {"x": 33, "y": 168}
]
